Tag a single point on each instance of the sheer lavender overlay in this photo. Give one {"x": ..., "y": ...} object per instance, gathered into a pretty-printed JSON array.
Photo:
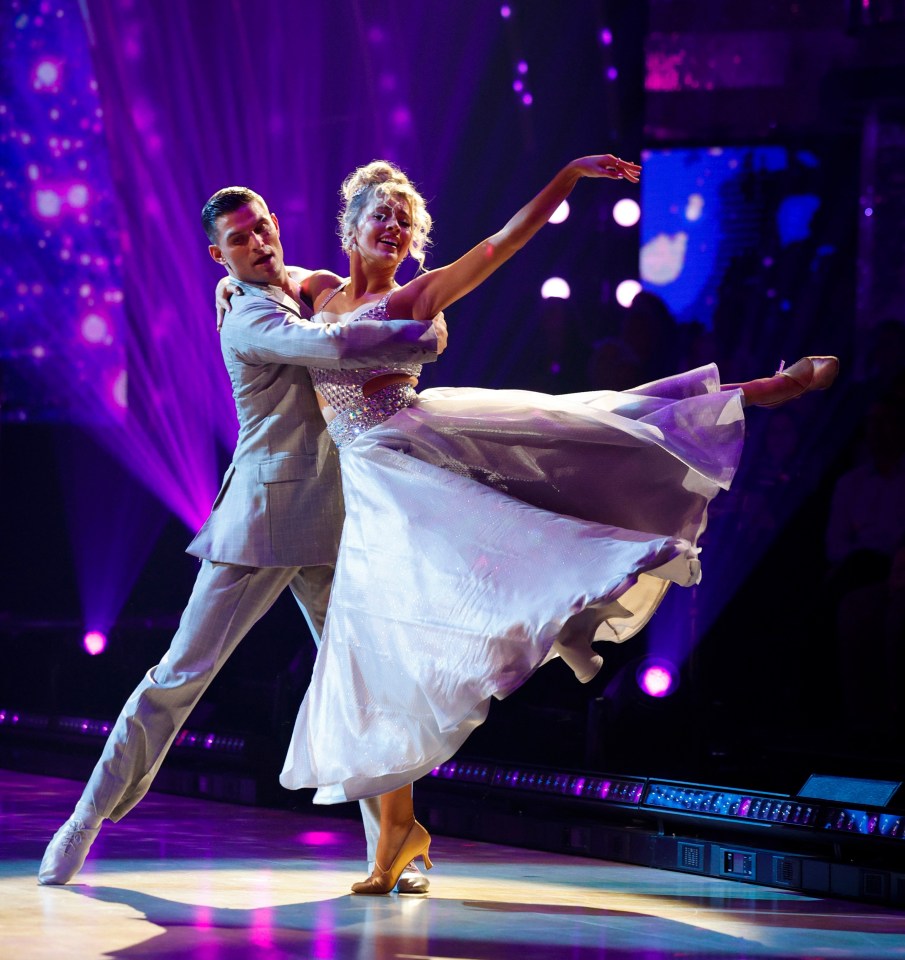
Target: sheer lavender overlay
[{"x": 477, "y": 523}]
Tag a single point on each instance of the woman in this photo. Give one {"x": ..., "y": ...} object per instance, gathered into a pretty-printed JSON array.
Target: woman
[{"x": 486, "y": 531}]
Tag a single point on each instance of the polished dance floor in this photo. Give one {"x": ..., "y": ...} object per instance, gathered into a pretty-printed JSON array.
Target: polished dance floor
[{"x": 197, "y": 880}]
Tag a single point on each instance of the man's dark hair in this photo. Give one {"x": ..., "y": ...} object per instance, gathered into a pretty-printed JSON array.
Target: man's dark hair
[{"x": 222, "y": 202}]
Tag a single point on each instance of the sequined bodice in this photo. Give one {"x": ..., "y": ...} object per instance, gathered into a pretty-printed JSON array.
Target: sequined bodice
[{"x": 342, "y": 389}]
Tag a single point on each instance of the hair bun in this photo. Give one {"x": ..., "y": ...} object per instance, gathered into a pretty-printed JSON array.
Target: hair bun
[
  {"x": 381, "y": 178},
  {"x": 373, "y": 174}
]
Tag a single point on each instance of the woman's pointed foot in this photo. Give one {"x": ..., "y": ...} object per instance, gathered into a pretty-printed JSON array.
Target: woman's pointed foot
[
  {"x": 416, "y": 844},
  {"x": 809, "y": 373}
]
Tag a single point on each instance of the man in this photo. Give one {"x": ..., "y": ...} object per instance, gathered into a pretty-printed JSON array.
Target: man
[{"x": 275, "y": 523}]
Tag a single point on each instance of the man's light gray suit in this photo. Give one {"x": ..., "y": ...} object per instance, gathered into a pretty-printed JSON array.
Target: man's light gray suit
[{"x": 276, "y": 522}]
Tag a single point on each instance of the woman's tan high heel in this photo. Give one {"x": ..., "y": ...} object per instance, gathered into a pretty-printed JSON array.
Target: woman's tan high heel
[
  {"x": 416, "y": 844},
  {"x": 809, "y": 373}
]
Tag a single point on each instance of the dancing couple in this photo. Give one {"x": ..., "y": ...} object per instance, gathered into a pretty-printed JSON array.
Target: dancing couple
[{"x": 485, "y": 531}]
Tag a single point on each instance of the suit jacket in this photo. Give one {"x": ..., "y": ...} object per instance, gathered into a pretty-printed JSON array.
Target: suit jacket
[{"x": 280, "y": 504}]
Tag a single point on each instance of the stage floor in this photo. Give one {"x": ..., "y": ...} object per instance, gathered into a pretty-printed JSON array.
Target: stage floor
[{"x": 197, "y": 880}]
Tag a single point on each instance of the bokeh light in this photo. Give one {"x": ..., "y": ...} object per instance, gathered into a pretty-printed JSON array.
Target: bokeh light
[
  {"x": 47, "y": 75},
  {"x": 694, "y": 207},
  {"x": 561, "y": 213},
  {"x": 555, "y": 288},
  {"x": 626, "y": 292},
  {"x": 626, "y": 212},
  {"x": 95, "y": 329}
]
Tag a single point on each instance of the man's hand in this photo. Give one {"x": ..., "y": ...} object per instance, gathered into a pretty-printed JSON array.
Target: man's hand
[
  {"x": 439, "y": 325},
  {"x": 225, "y": 291}
]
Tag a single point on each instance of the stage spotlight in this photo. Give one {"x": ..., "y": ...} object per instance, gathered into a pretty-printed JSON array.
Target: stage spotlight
[
  {"x": 94, "y": 642},
  {"x": 657, "y": 678},
  {"x": 626, "y": 292},
  {"x": 626, "y": 212},
  {"x": 560, "y": 213},
  {"x": 555, "y": 289}
]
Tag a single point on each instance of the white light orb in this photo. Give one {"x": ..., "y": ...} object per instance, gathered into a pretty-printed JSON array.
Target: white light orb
[
  {"x": 555, "y": 289},
  {"x": 626, "y": 292},
  {"x": 560, "y": 213},
  {"x": 626, "y": 212}
]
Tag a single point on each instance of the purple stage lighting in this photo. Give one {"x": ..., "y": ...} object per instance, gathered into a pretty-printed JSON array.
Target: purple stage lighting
[
  {"x": 657, "y": 678},
  {"x": 94, "y": 642},
  {"x": 319, "y": 838}
]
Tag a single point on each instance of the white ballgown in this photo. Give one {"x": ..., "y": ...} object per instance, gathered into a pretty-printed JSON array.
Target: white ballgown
[{"x": 477, "y": 523}]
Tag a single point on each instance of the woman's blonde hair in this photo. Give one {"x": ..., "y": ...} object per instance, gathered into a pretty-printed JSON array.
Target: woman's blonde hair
[{"x": 382, "y": 180}]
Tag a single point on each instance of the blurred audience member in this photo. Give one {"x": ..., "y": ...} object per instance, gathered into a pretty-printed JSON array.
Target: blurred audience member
[
  {"x": 867, "y": 517},
  {"x": 646, "y": 350},
  {"x": 865, "y": 544}
]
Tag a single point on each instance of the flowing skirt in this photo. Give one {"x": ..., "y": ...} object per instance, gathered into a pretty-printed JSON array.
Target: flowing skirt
[{"x": 478, "y": 522}]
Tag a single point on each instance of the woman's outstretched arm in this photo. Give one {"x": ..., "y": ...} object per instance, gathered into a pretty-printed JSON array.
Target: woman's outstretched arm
[{"x": 432, "y": 292}]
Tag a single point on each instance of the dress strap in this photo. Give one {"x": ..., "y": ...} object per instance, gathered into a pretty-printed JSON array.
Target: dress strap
[
  {"x": 333, "y": 293},
  {"x": 374, "y": 311}
]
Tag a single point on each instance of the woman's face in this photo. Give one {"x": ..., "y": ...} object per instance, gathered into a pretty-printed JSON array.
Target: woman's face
[{"x": 385, "y": 233}]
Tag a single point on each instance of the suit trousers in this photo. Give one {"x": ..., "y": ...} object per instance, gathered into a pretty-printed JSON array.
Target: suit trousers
[{"x": 226, "y": 602}]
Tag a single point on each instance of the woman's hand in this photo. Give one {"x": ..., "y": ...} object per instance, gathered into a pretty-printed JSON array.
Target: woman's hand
[
  {"x": 225, "y": 291},
  {"x": 606, "y": 165}
]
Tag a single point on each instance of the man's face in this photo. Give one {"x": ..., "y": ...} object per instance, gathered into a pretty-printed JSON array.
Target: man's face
[{"x": 249, "y": 244}]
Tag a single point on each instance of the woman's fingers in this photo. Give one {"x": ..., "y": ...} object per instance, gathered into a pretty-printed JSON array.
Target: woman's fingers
[
  {"x": 619, "y": 169},
  {"x": 611, "y": 167}
]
